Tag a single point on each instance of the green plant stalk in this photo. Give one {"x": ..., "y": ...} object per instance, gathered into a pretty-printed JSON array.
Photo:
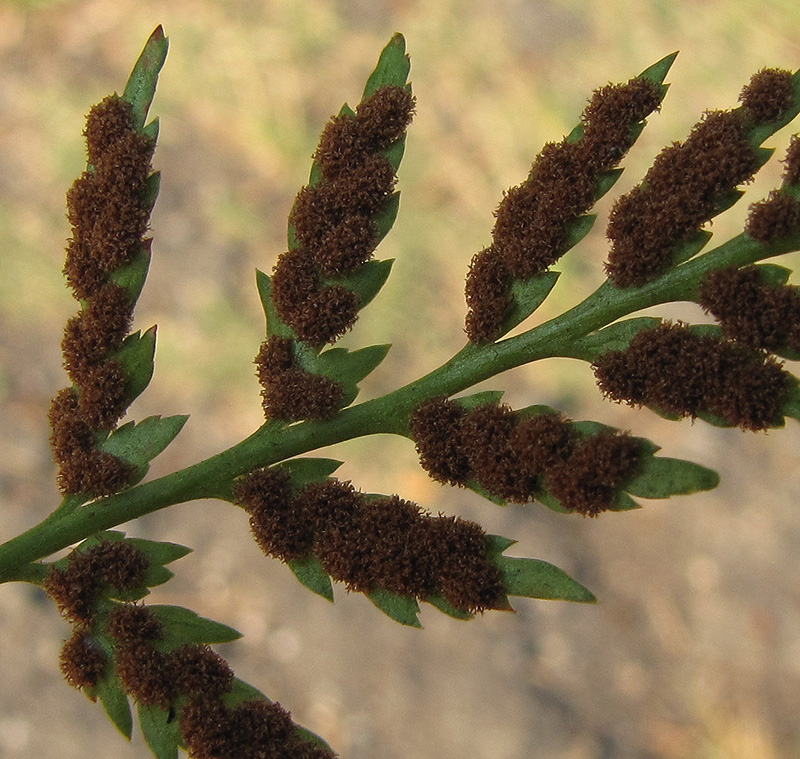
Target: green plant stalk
[{"x": 272, "y": 443}]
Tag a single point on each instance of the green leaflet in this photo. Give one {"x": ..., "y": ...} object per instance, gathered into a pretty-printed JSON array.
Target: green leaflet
[
  {"x": 658, "y": 71},
  {"x": 527, "y": 296},
  {"x": 683, "y": 251},
  {"x": 132, "y": 276},
  {"x": 160, "y": 552},
  {"x": 182, "y": 626},
  {"x": 115, "y": 702},
  {"x": 311, "y": 574},
  {"x": 161, "y": 730},
  {"x": 136, "y": 357},
  {"x": 348, "y": 368},
  {"x": 275, "y": 325},
  {"x": 305, "y": 470},
  {"x": 773, "y": 274},
  {"x": 141, "y": 86},
  {"x": 661, "y": 477},
  {"x": 139, "y": 443},
  {"x": 444, "y": 606},
  {"x": 578, "y": 228},
  {"x": 484, "y": 398},
  {"x": 152, "y": 183},
  {"x": 791, "y": 404},
  {"x": 607, "y": 181},
  {"x": 367, "y": 280},
  {"x": 534, "y": 578},
  {"x": 394, "y": 154},
  {"x": 385, "y": 220},
  {"x": 615, "y": 337},
  {"x": 497, "y": 544},
  {"x": 402, "y": 609},
  {"x": 392, "y": 69}
]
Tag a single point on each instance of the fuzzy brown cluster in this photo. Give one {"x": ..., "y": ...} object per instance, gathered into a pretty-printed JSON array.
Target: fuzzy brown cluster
[
  {"x": 83, "y": 662},
  {"x": 195, "y": 679},
  {"x": 689, "y": 182},
  {"x": 76, "y": 587},
  {"x": 108, "y": 211},
  {"x": 253, "y": 729},
  {"x": 517, "y": 457},
  {"x": 333, "y": 218},
  {"x": 684, "y": 374},
  {"x": 775, "y": 218},
  {"x": 370, "y": 543},
  {"x": 532, "y": 221},
  {"x": 289, "y": 392},
  {"x": 778, "y": 217},
  {"x": 791, "y": 172},
  {"x": 769, "y": 95},
  {"x": 153, "y": 676},
  {"x": 750, "y": 310}
]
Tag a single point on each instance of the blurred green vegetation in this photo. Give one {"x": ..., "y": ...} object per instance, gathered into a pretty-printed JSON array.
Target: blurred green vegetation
[{"x": 245, "y": 92}]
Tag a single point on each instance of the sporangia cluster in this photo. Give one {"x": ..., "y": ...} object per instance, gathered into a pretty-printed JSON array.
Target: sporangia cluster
[
  {"x": 533, "y": 219},
  {"x": 190, "y": 679},
  {"x": 108, "y": 209},
  {"x": 372, "y": 543},
  {"x": 690, "y": 182},
  {"x": 334, "y": 230},
  {"x": 683, "y": 373},
  {"x": 384, "y": 546},
  {"x": 517, "y": 457}
]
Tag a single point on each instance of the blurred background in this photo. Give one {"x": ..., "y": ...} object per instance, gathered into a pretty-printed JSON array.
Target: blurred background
[{"x": 694, "y": 649}]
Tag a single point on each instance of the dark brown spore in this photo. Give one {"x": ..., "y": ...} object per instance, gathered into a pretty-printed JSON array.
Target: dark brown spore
[
  {"x": 334, "y": 219},
  {"x": 131, "y": 623},
  {"x": 77, "y": 587},
  {"x": 392, "y": 535},
  {"x": 82, "y": 661},
  {"x": 384, "y": 116},
  {"x": 486, "y": 435},
  {"x": 588, "y": 480},
  {"x": 289, "y": 392},
  {"x": 146, "y": 674},
  {"x": 532, "y": 220},
  {"x": 317, "y": 313},
  {"x": 684, "y": 374},
  {"x": 96, "y": 331},
  {"x": 436, "y": 429},
  {"x": 775, "y": 218},
  {"x": 329, "y": 504},
  {"x": 81, "y": 467},
  {"x": 252, "y": 730},
  {"x": 280, "y": 529},
  {"x": 680, "y": 192},
  {"x": 791, "y": 173},
  {"x": 610, "y": 116},
  {"x": 750, "y": 388},
  {"x": 107, "y": 124},
  {"x": 106, "y": 206},
  {"x": 201, "y": 671},
  {"x": 768, "y": 95},
  {"x": 102, "y": 400},
  {"x": 751, "y": 311},
  {"x": 467, "y": 577},
  {"x": 108, "y": 212},
  {"x": 541, "y": 442},
  {"x": 488, "y": 295}
]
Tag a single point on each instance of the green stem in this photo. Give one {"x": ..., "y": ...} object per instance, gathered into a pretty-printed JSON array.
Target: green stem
[{"x": 274, "y": 442}]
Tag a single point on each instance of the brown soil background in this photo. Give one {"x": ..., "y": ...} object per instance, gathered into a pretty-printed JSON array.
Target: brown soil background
[{"x": 694, "y": 649}]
